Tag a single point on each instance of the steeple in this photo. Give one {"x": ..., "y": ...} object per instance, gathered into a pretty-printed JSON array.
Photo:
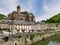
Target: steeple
[{"x": 18, "y": 9}]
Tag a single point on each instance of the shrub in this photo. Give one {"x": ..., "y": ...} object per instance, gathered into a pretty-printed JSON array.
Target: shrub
[{"x": 32, "y": 36}]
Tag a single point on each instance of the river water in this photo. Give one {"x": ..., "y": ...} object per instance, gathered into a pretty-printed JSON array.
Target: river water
[
  {"x": 53, "y": 43},
  {"x": 55, "y": 40}
]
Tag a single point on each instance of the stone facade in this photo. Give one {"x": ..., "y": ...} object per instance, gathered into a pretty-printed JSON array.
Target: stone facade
[
  {"x": 41, "y": 26},
  {"x": 18, "y": 15},
  {"x": 16, "y": 26}
]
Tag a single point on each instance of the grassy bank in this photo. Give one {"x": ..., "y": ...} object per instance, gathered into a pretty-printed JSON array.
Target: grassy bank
[{"x": 56, "y": 37}]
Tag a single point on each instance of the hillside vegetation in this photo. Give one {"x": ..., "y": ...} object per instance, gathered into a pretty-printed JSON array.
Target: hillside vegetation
[
  {"x": 54, "y": 19},
  {"x": 2, "y": 16}
]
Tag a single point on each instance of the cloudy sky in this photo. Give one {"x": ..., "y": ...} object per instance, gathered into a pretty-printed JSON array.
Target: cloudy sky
[{"x": 42, "y": 9}]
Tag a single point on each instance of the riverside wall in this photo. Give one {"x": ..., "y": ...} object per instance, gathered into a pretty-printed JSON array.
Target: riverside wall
[{"x": 25, "y": 40}]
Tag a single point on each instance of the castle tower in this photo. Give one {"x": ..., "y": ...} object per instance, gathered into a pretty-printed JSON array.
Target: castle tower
[{"x": 18, "y": 9}]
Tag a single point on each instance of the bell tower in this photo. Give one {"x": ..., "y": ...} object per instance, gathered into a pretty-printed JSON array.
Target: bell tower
[{"x": 18, "y": 9}]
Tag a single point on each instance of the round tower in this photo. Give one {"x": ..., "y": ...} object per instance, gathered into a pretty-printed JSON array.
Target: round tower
[{"x": 18, "y": 9}]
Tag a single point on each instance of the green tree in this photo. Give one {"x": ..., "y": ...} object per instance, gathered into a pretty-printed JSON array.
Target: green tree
[
  {"x": 54, "y": 19},
  {"x": 32, "y": 36},
  {"x": 2, "y": 16}
]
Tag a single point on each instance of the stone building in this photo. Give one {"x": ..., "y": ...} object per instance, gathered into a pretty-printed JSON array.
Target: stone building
[
  {"x": 18, "y": 15},
  {"x": 40, "y": 26},
  {"x": 17, "y": 26},
  {"x": 18, "y": 21}
]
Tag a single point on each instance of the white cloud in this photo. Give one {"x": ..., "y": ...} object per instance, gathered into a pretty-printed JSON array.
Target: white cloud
[
  {"x": 50, "y": 9},
  {"x": 31, "y": 4},
  {"x": 7, "y": 6},
  {"x": 45, "y": 7},
  {"x": 28, "y": 5}
]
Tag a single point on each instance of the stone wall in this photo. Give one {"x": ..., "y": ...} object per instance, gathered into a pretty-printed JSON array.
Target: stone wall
[{"x": 24, "y": 40}]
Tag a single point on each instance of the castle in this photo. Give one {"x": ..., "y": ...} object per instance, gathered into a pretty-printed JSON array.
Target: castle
[
  {"x": 21, "y": 22},
  {"x": 18, "y": 15}
]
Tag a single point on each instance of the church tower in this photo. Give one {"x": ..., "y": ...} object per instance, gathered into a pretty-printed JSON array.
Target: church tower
[{"x": 18, "y": 9}]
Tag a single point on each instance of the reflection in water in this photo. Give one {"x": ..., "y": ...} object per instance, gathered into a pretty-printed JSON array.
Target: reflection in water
[
  {"x": 55, "y": 40},
  {"x": 53, "y": 43}
]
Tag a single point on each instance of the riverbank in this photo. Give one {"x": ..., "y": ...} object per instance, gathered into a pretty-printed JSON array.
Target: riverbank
[
  {"x": 45, "y": 41},
  {"x": 31, "y": 39}
]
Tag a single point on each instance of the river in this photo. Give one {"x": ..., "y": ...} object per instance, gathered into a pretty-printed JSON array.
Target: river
[
  {"x": 54, "y": 40},
  {"x": 53, "y": 43}
]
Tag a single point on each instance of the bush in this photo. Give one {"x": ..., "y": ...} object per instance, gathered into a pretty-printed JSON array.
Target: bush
[{"x": 32, "y": 36}]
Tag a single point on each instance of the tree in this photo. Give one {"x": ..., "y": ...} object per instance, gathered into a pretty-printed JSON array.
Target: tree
[
  {"x": 2, "y": 16},
  {"x": 32, "y": 36},
  {"x": 54, "y": 19}
]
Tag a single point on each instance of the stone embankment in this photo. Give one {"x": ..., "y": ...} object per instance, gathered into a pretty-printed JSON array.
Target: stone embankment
[
  {"x": 25, "y": 40},
  {"x": 38, "y": 38}
]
